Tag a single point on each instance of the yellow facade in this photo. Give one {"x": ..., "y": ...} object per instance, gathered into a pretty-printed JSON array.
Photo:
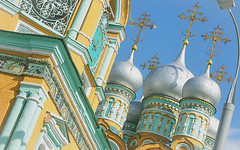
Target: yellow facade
[{"x": 10, "y": 83}]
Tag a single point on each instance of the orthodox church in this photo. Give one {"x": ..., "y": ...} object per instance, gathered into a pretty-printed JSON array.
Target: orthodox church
[{"x": 60, "y": 88}]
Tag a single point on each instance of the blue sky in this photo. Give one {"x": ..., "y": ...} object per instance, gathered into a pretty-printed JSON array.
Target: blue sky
[{"x": 166, "y": 41}]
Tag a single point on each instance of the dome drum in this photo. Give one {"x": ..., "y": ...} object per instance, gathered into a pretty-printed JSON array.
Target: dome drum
[
  {"x": 158, "y": 119},
  {"x": 167, "y": 104},
  {"x": 193, "y": 117},
  {"x": 120, "y": 90},
  {"x": 198, "y": 104}
]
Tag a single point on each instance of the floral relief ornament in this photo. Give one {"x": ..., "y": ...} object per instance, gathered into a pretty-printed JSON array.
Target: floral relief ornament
[{"x": 52, "y": 8}]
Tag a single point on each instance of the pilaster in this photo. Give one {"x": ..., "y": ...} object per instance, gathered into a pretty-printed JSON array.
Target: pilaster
[
  {"x": 111, "y": 49},
  {"x": 24, "y": 113}
]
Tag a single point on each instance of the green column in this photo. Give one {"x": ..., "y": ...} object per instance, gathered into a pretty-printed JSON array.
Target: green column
[
  {"x": 106, "y": 62},
  {"x": 24, "y": 122},
  {"x": 118, "y": 11},
  {"x": 81, "y": 14},
  {"x": 12, "y": 119},
  {"x": 31, "y": 127}
]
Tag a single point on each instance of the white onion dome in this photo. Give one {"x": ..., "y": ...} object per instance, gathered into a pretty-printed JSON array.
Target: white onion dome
[
  {"x": 213, "y": 127},
  {"x": 203, "y": 87},
  {"x": 127, "y": 74},
  {"x": 135, "y": 111},
  {"x": 168, "y": 79}
]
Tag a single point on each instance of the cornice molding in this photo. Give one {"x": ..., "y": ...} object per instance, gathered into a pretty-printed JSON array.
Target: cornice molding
[
  {"x": 9, "y": 7},
  {"x": 65, "y": 68},
  {"x": 117, "y": 28}
]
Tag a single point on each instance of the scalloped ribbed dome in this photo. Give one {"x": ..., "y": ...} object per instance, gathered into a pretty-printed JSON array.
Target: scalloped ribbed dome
[
  {"x": 168, "y": 79},
  {"x": 213, "y": 127},
  {"x": 134, "y": 112},
  {"x": 127, "y": 74},
  {"x": 203, "y": 87}
]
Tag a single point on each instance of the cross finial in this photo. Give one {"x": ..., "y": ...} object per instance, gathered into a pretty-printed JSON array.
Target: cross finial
[
  {"x": 192, "y": 18},
  {"x": 216, "y": 37},
  {"x": 220, "y": 75},
  {"x": 141, "y": 24},
  {"x": 152, "y": 63}
]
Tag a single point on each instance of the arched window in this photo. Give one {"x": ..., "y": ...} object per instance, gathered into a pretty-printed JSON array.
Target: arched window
[
  {"x": 156, "y": 120},
  {"x": 109, "y": 106},
  {"x": 190, "y": 123}
]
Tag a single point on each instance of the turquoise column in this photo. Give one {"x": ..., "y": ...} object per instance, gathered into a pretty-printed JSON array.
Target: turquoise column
[
  {"x": 118, "y": 11},
  {"x": 111, "y": 48},
  {"x": 12, "y": 119},
  {"x": 23, "y": 123},
  {"x": 81, "y": 14},
  {"x": 29, "y": 116},
  {"x": 32, "y": 125}
]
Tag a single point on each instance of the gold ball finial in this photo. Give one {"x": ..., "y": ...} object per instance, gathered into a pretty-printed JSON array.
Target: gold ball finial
[
  {"x": 209, "y": 62},
  {"x": 134, "y": 47},
  {"x": 185, "y": 42}
]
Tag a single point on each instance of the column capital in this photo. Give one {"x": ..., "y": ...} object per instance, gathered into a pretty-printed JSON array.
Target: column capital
[{"x": 35, "y": 92}]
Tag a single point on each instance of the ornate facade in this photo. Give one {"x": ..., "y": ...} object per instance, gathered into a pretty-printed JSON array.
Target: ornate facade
[{"x": 55, "y": 60}]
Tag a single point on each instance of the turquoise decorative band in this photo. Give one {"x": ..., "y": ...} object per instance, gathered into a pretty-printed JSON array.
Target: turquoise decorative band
[{"x": 42, "y": 68}]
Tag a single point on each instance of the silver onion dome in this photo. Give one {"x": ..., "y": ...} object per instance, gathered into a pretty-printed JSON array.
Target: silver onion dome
[
  {"x": 127, "y": 74},
  {"x": 203, "y": 87},
  {"x": 213, "y": 127},
  {"x": 135, "y": 110},
  {"x": 168, "y": 79}
]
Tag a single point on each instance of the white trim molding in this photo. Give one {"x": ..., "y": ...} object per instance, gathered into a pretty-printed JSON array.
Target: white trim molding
[{"x": 28, "y": 26}]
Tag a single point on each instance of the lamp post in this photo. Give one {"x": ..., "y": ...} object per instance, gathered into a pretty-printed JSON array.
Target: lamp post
[{"x": 228, "y": 107}]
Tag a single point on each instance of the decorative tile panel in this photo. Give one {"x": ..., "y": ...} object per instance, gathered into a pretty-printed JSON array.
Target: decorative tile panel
[
  {"x": 42, "y": 68},
  {"x": 99, "y": 41}
]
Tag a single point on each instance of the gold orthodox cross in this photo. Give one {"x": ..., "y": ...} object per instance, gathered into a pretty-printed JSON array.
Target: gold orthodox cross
[
  {"x": 142, "y": 23},
  {"x": 220, "y": 75},
  {"x": 216, "y": 37},
  {"x": 192, "y": 18},
  {"x": 152, "y": 63}
]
